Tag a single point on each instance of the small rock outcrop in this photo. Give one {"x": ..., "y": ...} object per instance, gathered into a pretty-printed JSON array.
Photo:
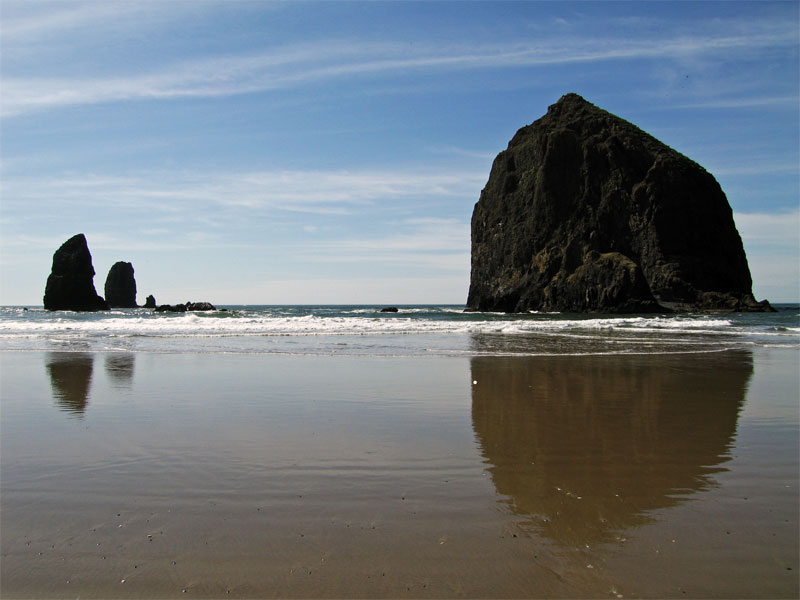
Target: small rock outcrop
[
  {"x": 70, "y": 285},
  {"x": 188, "y": 306},
  {"x": 171, "y": 308},
  {"x": 390, "y": 309},
  {"x": 120, "y": 286},
  {"x": 585, "y": 212},
  {"x": 150, "y": 302},
  {"x": 200, "y": 306}
]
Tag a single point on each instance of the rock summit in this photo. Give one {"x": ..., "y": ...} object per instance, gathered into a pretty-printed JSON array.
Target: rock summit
[{"x": 585, "y": 212}]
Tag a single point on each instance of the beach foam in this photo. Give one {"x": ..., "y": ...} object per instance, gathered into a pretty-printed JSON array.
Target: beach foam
[{"x": 35, "y": 329}]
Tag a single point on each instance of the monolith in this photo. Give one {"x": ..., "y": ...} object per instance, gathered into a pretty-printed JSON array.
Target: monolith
[
  {"x": 585, "y": 212},
  {"x": 70, "y": 285},
  {"x": 120, "y": 286}
]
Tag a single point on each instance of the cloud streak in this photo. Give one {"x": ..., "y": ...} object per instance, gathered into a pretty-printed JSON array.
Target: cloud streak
[
  {"x": 309, "y": 191},
  {"x": 421, "y": 243},
  {"x": 776, "y": 229},
  {"x": 290, "y": 67}
]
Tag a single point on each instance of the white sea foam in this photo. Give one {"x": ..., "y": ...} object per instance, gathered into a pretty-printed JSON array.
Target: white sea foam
[
  {"x": 414, "y": 330},
  {"x": 194, "y": 324}
]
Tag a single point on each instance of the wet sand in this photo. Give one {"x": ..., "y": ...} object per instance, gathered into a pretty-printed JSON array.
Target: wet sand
[{"x": 180, "y": 475}]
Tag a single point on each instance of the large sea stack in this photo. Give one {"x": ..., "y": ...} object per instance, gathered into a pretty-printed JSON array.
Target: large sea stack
[
  {"x": 70, "y": 285},
  {"x": 585, "y": 212},
  {"x": 120, "y": 286}
]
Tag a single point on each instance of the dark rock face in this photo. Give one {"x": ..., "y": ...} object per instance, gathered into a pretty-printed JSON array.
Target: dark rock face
[
  {"x": 70, "y": 285},
  {"x": 189, "y": 306},
  {"x": 200, "y": 306},
  {"x": 150, "y": 302},
  {"x": 121, "y": 286},
  {"x": 585, "y": 212},
  {"x": 171, "y": 308},
  {"x": 390, "y": 309}
]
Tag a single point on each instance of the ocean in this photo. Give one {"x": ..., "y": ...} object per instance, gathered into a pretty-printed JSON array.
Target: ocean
[{"x": 412, "y": 331}]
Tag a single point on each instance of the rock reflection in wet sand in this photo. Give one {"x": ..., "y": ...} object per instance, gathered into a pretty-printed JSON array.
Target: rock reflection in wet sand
[
  {"x": 119, "y": 367},
  {"x": 586, "y": 447},
  {"x": 70, "y": 379}
]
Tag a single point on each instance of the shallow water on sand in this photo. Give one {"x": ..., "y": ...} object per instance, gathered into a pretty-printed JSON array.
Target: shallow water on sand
[{"x": 262, "y": 475}]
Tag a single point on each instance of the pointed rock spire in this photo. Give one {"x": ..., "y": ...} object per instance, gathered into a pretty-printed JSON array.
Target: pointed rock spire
[{"x": 70, "y": 285}]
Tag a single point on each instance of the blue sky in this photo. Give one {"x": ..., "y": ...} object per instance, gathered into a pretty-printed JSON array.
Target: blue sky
[{"x": 259, "y": 152}]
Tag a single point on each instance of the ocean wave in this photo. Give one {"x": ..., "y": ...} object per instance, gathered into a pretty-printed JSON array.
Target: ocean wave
[
  {"x": 413, "y": 330},
  {"x": 194, "y": 324}
]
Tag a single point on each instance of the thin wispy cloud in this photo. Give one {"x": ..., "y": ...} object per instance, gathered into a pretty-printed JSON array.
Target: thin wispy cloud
[
  {"x": 777, "y": 229},
  {"x": 785, "y": 101},
  {"x": 772, "y": 241},
  {"x": 342, "y": 290},
  {"x": 290, "y": 67},
  {"x": 26, "y": 22},
  {"x": 755, "y": 167},
  {"x": 465, "y": 152},
  {"x": 29, "y": 21},
  {"x": 313, "y": 191},
  {"x": 413, "y": 235}
]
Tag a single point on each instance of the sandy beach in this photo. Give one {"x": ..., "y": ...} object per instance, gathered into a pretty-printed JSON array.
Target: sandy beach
[{"x": 137, "y": 475}]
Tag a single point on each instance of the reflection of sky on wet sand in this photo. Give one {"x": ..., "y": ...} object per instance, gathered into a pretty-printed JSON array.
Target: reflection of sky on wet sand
[{"x": 586, "y": 447}]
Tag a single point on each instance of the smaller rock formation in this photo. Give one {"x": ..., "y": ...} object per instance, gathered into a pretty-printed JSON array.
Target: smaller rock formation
[
  {"x": 150, "y": 302},
  {"x": 121, "y": 286},
  {"x": 390, "y": 309},
  {"x": 200, "y": 306},
  {"x": 70, "y": 285},
  {"x": 171, "y": 308},
  {"x": 188, "y": 306}
]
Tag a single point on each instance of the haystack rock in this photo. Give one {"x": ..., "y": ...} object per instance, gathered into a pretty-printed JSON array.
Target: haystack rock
[
  {"x": 121, "y": 286},
  {"x": 70, "y": 285},
  {"x": 585, "y": 212}
]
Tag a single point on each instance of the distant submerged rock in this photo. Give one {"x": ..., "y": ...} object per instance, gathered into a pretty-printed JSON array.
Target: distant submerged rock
[
  {"x": 120, "y": 286},
  {"x": 70, "y": 285},
  {"x": 585, "y": 212}
]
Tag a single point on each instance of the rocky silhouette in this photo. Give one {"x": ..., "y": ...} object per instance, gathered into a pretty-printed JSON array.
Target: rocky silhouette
[
  {"x": 585, "y": 212},
  {"x": 120, "y": 286},
  {"x": 150, "y": 302},
  {"x": 70, "y": 285},
  {"x": 188, "y": 306}
]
